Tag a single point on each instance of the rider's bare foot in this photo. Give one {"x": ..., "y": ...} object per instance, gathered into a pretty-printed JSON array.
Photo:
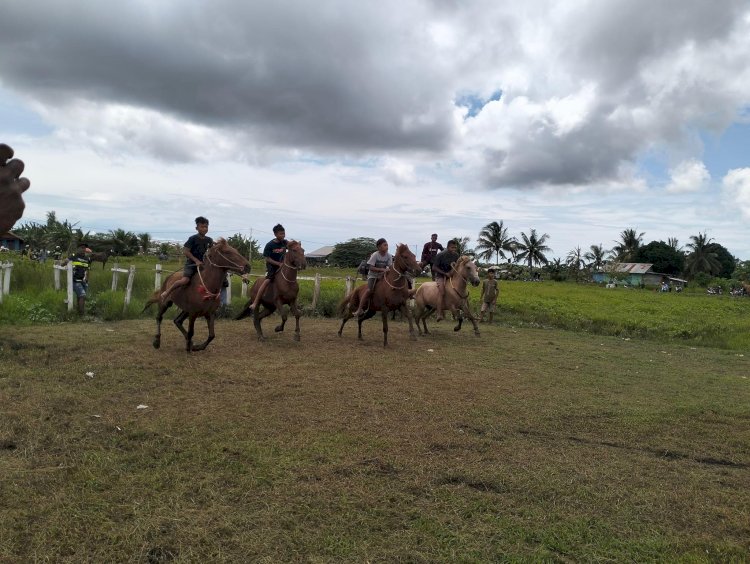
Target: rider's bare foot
[{"x": 439, "y": 317}]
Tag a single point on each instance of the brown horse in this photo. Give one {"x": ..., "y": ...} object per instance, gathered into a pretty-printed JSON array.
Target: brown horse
[
  {"x": 390, "y": 293},
  {"x": 102, "y": 257},
  {"x": 463, "y": 271},
  {"x": 282, "y": 291},
  {"x": 200, "y": 298}
]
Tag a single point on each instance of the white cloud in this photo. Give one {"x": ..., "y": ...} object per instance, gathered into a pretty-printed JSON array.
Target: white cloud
[
  {"x": 736, "y": 186},
  {"x": 688, "y": 176}
]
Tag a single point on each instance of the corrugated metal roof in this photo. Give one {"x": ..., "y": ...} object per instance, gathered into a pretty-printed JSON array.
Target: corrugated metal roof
[
  {"x": 322, "y": 252},
  {"x": 633, "y": 267}
]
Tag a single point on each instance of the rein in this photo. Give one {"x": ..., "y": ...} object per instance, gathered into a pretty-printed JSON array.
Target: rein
[
  {"x": 400, "y": 275},
  {"x": 461, "y": 276},
  {"x": 281, "y": 270},
  {"x": 208, "y": 294}
]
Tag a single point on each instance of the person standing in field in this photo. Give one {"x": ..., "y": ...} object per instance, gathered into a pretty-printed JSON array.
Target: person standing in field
[
  {"x": 490, "y": 293},
  {"x": 379, "y": 262},
  {"x": 81, "y": 263},
  {"x": 194, "y": 250},
  {"x": 429, "y": 252},
  {"x": 273, "y": 252}
]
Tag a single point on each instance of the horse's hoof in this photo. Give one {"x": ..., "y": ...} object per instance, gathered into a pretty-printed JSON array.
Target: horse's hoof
[
  {"x": 413, "y": 337},
  {"x": 261, "y": 338},
  {"x": 476, "y": 333},
  {"x": 278, "y": 328},
  {"x": 296, "y": 337},
  {"x": 457, "y": 328},
  {"x": 156, "y": 343}
]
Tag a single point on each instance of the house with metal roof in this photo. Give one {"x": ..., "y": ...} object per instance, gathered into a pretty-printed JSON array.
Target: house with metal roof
[
  {"x": 635, "y": 274},
  {"x": 319, "y": 256},
  {"x": 11, "y": 241}
]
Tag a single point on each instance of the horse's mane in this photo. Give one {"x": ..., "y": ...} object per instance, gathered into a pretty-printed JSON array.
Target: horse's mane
[
  {"x": 401, "y": 246},
  {"x": 463, "y": 259},
  {"x": 293, "y": 245}
]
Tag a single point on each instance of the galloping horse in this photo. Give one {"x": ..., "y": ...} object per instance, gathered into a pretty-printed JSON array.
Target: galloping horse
[
  {"x": 390, "y": 293},
  {"x": 283, "y": 290},
  {"x": 102, "y": 257},
  {"x": 200, "y": 298},
  {"x": 456, "y": 296}
]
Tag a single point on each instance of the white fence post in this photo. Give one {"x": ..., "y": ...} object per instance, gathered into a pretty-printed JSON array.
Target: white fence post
[
  {"x": 349, "y": 283},
  {"x": 56, "y": 270},
  {"x": 316, "y": 292},
  {"x": 116, "y": 270},
  {"x": 7, "y": 268},
  {"x": 229, "y": 289},
  {"x": 69, "y": 281},
  {"x": 243, "y": 289},
  {"x": 157, "y": 278},
  {"x": 129, "y": 287}
]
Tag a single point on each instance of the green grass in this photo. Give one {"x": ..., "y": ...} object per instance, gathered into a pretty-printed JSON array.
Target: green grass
[
  {"x": 693, "y": 318},
  {"x": 524, "y": 444}
]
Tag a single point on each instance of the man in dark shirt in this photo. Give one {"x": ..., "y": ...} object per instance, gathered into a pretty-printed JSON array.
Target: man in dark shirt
[
  {"x": 274, "y": 254},
  {"x": 429, "y": 251},
  {"x": 442, "y": 266},
  {"x": 194, "y": 250},
  {"x": 81, "y": 264}
]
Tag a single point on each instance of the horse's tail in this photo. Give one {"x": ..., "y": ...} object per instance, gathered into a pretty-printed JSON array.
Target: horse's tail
[
  {"x": 246, "y": 311},
  {"x": 346, "y": 302},
  {"x": 155, "y": 298}
]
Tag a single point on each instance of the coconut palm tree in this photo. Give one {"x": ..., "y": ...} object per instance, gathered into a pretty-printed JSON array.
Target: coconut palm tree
[
  {"x": 596, "y": 256},
  {"x": 462, "y": 246},
  {"x": 627, "y": 246},
  {"x": 532, "y": 249},
  {"x": 701, "y": 257},
  {"x": 144, "y": 242},
  {"x": 124, "y": 243},
  {"x": 674, "y": 243},
  {"x": 575, "y": 261},
  {"x": 493, "y": 238}
]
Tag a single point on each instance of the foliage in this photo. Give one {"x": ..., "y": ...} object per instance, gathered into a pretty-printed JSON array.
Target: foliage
[
  {"x": 247, "y": 246},
  {"x": 494, "y": 239},
  {"x": 462, "y": 246},
  {"x": 124, "y": 243},
  {"x": 350, "y": 253},
  {"x": 596, "y": 257},
  {"x": 627, "y": 246},
  {"x": 575, "y": 262},
  {"x": 664, "y": 258},
  {"x": 725, "y": 258},
  {"x": 742, "y": 270},
  {"x": 533, "y": 249}
]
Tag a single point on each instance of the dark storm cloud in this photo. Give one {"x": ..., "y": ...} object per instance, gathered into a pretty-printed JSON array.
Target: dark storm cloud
[{"x": 318, "y": 75}]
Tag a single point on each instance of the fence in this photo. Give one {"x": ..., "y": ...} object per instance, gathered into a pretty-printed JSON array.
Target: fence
[{"x": 158, "y": 273}]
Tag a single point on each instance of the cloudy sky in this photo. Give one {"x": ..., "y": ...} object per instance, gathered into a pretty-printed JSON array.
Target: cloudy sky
[{"x": 342, "y": 119}]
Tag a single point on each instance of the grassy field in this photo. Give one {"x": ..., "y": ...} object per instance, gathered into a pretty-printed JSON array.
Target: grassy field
[
  {"x": 691, "y": 317},
  {"x": 523, "y": 444}
]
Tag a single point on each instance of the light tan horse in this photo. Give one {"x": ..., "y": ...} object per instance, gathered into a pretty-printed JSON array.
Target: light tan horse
[
  {"x": 282, "y": 291},
  {"x": 199, "y": 298},
  {"x": 391, "y": 292},
  {"x": 456, "y": 299}
]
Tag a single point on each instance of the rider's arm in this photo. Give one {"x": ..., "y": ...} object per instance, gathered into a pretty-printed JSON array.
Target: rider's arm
[{"x": 188, "y": 254}]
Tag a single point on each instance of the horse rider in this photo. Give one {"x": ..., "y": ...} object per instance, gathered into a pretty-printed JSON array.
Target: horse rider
[
  {"x": 442, "y": 266},
  {"x": 273, "y": 252}
]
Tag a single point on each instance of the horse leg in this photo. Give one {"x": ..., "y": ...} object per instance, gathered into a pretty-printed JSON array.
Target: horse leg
[
  {"x": 159, "y": 316},
  {"x": 265, "y": 311},
  {"x": 384, "y": 315},
  {"x": 190, "y": 332},
  {"x": 283, "y": 313},
  {"x": 210, "y": 319},
  {"x": 467, "y": 312},
  {"x": 406, "y": 311},
  {"x": 297, "y": 314},
  {"x": 179, "y": 320},
  {"x": 367, "y": 315}
]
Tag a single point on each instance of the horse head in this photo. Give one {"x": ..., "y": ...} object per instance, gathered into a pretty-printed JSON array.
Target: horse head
[
  {"x": 467, "y": 269},
  {"x": 295, "y": 255},
  {"x": 224, "y": 255},
  {"x": 405, "y": 261}
]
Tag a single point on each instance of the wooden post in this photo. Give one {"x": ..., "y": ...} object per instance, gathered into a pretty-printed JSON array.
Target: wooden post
[
  {"x": 316, "y": 292},
  {"x": 56, "y": 269},
  {"x": 157, "y": 278},
  {"x": 349, "y": 284},
  {"x": 243, "y": 289},
  {"x": 7, "y": 268},
  {"x": 2, "y": 285},
  {"x": 69, "y": 281},
  {"x": 129, "y": 287},
  {"x": 229, "y": 288},
  {"x": 116, "y": 274}
]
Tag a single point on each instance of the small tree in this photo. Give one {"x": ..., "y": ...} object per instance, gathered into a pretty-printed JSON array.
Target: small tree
[
  {"x": 532, "y": 249},
  {"x": 350, "y": 253},
  {"x": 462, "y": 246},
  {"x": 247, "y": 246},
  {"x": 494, "y": 239}
]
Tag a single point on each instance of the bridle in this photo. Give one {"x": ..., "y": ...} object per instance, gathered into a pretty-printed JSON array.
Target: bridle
[
  {"x": 207, "y": 258},
  {"x": 399, "y": 277},
  {"x": 464, "y": 278},
  {"x": 281, "y": 269}
]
